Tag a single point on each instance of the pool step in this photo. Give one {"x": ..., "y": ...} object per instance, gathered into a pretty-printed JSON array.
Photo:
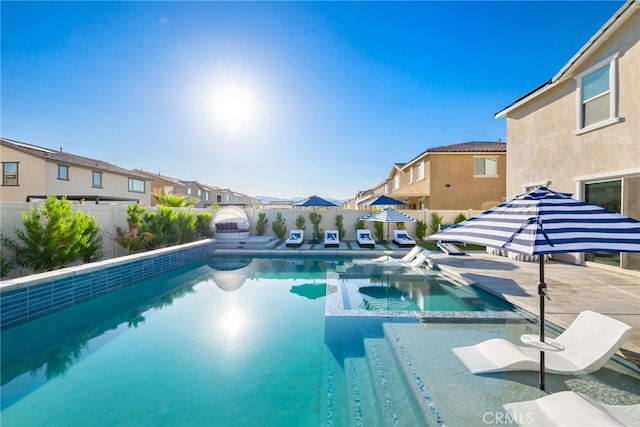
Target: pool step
[
  {"x": 395, "y": 399},
  {"x": 359, "y": 387}
]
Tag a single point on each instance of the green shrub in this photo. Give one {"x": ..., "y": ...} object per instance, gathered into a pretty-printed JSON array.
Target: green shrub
[
  {"x": 300, "y": 223},
  {"x": 461, "y": 217},
  {"x": 400, "y": 226},
  {"x": 315, "y": 218},
  {"x": 134, "y": 239},
  {"x": 340, "y": 226},
  {"x": 436, "y": 220},
  {"x": 360, "y": 225},
  {"x": 203, "y": 225},
  {"x": 261, "y": 225},
  {"x": 279, "y": 227},
  {"x": 55, "y": 237},
  {"x": 421, "y": 229},
  {"x": 378, "y": 230}
]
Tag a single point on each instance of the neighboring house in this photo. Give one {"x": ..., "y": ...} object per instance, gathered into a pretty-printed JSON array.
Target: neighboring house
[
  {"x": 30, "y": 172},
  {"x": 580, "y": 130},
  {"x": 162, "y": 184},
  {"x": 469, "y": 175}
]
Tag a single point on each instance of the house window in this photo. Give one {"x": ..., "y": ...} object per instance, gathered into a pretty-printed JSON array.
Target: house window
[
  {"x": 188, "y": 191},
  {"x": 136, "y": 185},
  {"x": 10, "y": 173},
  {"x": 485, "y": 166},
  {"x": 218, "y": 198},
  {"x": 96, "y": 179},
  {"x": 597, "y": 95},
  {"x": 420, "y": 171},
  {"x": 63, "y": 172},
  {"x": 396, "y": 182},
  {"x": 206, "y": 195},
  {"x": 411, "y": 176}
]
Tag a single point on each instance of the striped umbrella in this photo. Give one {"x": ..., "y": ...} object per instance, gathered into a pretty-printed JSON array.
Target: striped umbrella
[
  {"x": 541, "y": 222},
  {"x": 388, "y": 215}
]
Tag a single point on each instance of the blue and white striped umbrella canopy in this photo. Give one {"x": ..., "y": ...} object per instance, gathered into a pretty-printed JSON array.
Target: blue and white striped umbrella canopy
[
  {"x": 543, "y": 221},
  {"x": 388, "y": 215}
]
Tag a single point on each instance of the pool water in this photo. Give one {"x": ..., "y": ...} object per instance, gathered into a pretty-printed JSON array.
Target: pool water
[{"x": 245, "y": 342}]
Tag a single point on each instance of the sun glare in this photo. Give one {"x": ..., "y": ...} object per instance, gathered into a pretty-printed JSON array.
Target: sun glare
[
  {"x": 236, "y": 106},
  {"x": 232, "y": 322}
]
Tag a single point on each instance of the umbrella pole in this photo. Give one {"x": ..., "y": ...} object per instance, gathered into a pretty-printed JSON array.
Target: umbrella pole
[{"x": 542, "y": 292}]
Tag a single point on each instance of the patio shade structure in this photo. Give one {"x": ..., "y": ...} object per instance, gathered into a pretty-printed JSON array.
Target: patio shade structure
[
  {"x": 383, "y": 201},
  {"x": 313, "y": 201},
  {"x": 542, "y": 222},
  {"x": 388, "y": 215}
]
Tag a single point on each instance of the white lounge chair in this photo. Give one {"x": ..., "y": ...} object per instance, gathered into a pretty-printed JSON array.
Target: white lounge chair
[
  {"x": 331, "y": 239},
  {"x": 589, "y": 342},
  {"x": 412, "y": 254},
  {"x": 402, "y": 239},
  {"x": 567, "y": 408},
  {"x": 296, "y": 237},
  {"x": 364, "y": 239}
]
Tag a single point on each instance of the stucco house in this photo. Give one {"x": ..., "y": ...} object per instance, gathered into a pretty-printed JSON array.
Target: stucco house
[
  {"x": 464, "y": 176},
  {"x": 579, "y": 132},
  {"x": 163, "y": 184},
  {"x": 30, "y": 172}
]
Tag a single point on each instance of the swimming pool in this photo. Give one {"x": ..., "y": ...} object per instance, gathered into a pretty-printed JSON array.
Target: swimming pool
[{"x": 245, "y": 341}]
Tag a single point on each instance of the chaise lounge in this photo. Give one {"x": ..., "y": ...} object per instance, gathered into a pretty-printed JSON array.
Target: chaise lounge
[
  {"x": 568, "y": 408},
  {"x": 331, "y": 239},
  {"x": 402, "y": 239},
  {"x": 296, "y": 237},
  {"x": 588, "y": 343},
  {"x": 364, "y": 238}
]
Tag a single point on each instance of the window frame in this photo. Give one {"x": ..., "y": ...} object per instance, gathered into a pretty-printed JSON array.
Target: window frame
[
  {"x": 4, "y": 174},
  {"x": 131, "y": 187},
  {"x": 612, "y": 62},
  {"x": 421, "y": 171},
  {"x": 485, "y": 158},
  {"x": 66, "y": 168},
  {"x": 93, "y": 179},
  {"x": 396, "y": 182}
]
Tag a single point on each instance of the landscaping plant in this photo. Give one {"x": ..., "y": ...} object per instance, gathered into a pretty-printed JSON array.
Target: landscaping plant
[
  {"x": 340, "y": 226},
  {"x": 461, "y": 217},
  {"x": 436, "y": 220},
  {"x": 315, "y": 219},
  {"x": 300, "y": 223},
  {"x": 55, "y": 237},
  {"x": 421, "y": 229},
  {"x": 261, "y": 225},
  {"x": 279, "y": 227}
]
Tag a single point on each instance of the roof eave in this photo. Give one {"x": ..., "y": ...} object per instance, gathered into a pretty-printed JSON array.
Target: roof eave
[{"x": 594, "y": 42}]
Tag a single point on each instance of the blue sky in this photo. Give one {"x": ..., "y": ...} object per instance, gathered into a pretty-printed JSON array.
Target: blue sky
[{"x": 284, "y": 99}]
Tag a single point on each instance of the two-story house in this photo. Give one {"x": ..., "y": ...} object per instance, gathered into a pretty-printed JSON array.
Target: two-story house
[
  {"x": 580, "y": 130},
  {"x": 162, "y": 184},
  {"x": 469, "y": 175},
  {"x": 30, "y": 172}
]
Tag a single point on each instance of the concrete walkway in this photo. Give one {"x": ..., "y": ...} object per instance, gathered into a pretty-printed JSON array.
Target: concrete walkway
[{"x": 571, "y": 288}]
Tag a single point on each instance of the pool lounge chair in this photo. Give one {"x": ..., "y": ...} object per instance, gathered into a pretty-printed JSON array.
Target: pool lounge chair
[
  {"x": 364, "y": 239},
  {"x": 296, "y": 237},
  {"x": 449, "y": 248},
  {"x": 331, "y": 239},
  {"x": 402, "y": 239},
  {"x": 568, "y": 408},
  {"x": 589, "y": 342}
]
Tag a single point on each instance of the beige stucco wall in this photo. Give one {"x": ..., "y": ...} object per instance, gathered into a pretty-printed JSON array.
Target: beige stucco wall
[
  {"x": 541, "y": 133},
  {"x": 464, "y": 191},
  {"x": 31, "y": 175},
  {"x": 38, "y": 177}
]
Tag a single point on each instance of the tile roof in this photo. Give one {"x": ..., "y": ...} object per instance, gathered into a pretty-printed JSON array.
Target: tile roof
[
  {"x": 472, "y": 146},
  {"x": 68, "y": 158}
]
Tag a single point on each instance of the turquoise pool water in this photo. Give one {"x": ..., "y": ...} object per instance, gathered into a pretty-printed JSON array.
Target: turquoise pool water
[{"x": 245, "y": 342}]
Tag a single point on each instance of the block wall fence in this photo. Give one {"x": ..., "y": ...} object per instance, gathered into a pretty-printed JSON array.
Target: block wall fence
[{"x": 115, "y": 215}]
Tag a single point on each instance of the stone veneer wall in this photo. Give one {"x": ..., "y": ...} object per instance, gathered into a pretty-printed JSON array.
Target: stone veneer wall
[{"x": 33, "y": 296}]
